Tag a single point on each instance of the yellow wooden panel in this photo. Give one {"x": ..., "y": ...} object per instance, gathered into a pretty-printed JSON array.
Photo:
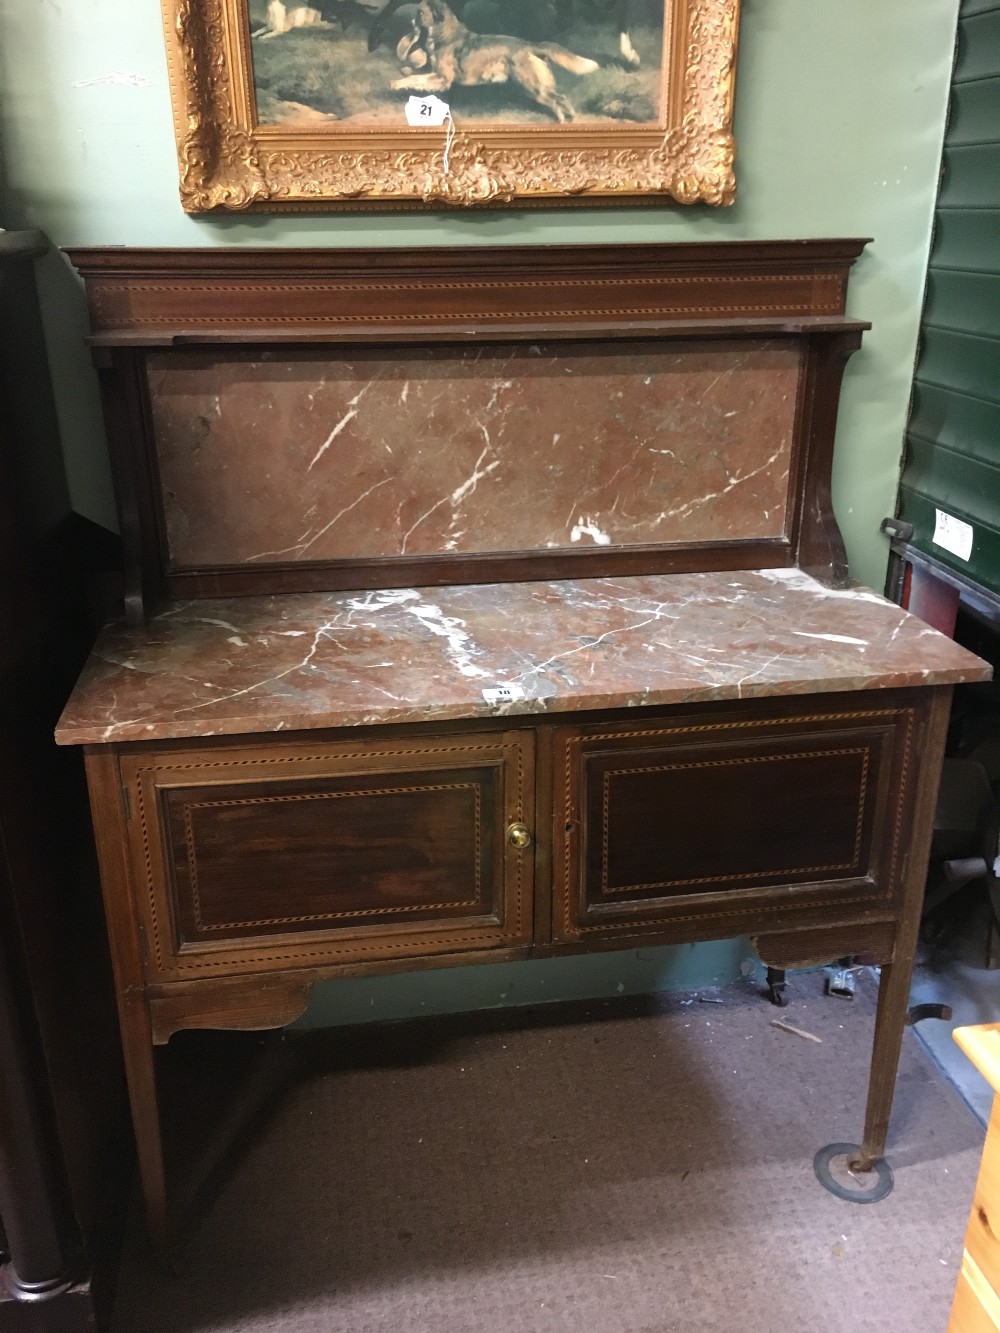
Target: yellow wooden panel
[
  {"x": 982, "y": 1239},
  {"x": 975, "y": 1308},
  {"x": 982, "y": 1045}
]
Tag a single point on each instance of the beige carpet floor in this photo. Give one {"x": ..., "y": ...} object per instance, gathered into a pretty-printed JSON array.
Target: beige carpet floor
[{"x": 603, "y": 1170}]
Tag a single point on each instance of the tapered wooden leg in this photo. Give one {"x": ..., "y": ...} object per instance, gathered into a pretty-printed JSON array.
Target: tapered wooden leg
[
  {"x": 140, "y": 1071},
  {"x": 111, "y": 833},
  {"x": 894, "y": 986},
  {"x": 890, "y": 1020}
]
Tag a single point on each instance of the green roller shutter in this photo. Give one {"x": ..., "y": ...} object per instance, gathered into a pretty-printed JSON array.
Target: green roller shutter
[{"x": 952, "y": 462}]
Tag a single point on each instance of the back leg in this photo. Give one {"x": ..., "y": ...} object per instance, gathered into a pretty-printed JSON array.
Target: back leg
[
  {"x": 629, "y": 54},
  {"x": 626, "y": 13},
  {"x": 560, "y": 106},
  {"x": 538, "y": 81},
  {"x": 277, "y": 21},
  {"x": 421, "y": 83}
]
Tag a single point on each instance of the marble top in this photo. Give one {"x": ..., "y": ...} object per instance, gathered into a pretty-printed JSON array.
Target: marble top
[{"x": 269, "y": 664}]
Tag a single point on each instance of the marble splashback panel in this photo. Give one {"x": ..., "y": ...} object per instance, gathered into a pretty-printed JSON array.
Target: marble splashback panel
[{"x": 304, "y": 455}]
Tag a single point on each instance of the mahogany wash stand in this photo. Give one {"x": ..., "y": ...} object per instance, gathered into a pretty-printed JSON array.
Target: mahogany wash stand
[{"x": 486, "y": 605}]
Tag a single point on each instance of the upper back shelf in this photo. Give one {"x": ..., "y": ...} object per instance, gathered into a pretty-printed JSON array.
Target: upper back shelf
[{"x": 296, "y": 420}]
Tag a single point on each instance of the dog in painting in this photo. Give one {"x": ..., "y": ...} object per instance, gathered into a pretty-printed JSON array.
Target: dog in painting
[
  {"x": 282, "y": 19},
  {"x": 457, "y": 56}
]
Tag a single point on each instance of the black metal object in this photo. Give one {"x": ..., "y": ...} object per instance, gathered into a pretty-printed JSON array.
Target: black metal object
[
  {"x": 776, "y": 986},
  {"x": 841, "y": 981},
  {"x": 918, "y": 1012},
  {"x": 883, "y": 1173},
  {"x": 64, "y": 1152},
  {"x": 36, "y": 1208},
  {"x": 896, "y": 528},
  {"x": 43, "y": 1239}
]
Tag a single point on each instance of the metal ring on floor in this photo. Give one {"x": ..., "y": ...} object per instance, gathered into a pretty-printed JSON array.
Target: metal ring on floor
[{"x": 882, "y": 1169}]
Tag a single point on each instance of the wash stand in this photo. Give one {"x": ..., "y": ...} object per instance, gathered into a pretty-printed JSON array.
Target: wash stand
[{"x": 485, "y": 605}]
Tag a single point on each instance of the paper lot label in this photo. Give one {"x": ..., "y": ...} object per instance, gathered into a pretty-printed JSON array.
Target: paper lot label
[
  {"x": 503, "y": 694},
  {"x": 426, "y": 111}
]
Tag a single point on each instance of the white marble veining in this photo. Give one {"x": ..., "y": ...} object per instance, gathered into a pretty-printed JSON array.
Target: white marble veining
[{"x": 259, "y": 664}]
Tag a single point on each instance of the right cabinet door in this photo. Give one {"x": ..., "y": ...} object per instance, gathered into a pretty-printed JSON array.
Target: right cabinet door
[{"x": 723, "y": 821}]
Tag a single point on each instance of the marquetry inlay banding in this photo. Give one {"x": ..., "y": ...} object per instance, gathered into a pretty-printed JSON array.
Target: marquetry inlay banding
[
  {"x": 157, "y": 304},
  {"x": 573, "y": 904},
  {"x": 440, "y": 934},
  {"x": 783, "y": 872},
  {"x": 332, "y": 915}
]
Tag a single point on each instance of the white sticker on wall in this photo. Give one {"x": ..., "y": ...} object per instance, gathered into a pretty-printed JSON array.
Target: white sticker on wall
[
  {"x": 951, "y": 534},
  {"x": 426, "y": 111},
  {"x": 503, "y": 694}
]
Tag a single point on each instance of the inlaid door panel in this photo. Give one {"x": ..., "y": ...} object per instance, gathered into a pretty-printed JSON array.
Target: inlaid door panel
[
  {"x": 345, "y": 851},
  {"x": 682, "y": 821}
]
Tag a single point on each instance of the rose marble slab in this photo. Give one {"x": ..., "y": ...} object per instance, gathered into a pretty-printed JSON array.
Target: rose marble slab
[
  {"x": 276, "y": 457},
  {"x": 265, "y": 664}
]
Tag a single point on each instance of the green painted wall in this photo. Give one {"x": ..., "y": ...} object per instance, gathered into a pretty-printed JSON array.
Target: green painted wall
[{"x": 839, "y": 119}]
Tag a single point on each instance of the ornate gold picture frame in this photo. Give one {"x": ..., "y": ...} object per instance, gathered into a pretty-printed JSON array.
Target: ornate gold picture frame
[{"x": 333, "y": 104}]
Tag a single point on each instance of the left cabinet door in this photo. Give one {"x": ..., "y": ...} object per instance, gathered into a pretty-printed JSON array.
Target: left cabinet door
[{"x": 278, "y": 855}]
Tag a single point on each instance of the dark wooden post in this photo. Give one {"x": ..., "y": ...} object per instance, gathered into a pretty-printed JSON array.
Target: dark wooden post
[
  {"x": 64, "y": 1151},
  {"x": 43, "y": 1238}
]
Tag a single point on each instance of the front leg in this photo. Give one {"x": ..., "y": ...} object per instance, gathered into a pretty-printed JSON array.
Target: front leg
[
  {"x": 894, "y": 983},
  {"x": 421, "y": 83},
  {"x": 890, "y": 1022}
]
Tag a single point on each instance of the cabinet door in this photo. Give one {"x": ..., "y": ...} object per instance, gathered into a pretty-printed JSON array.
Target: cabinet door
[
  {"x": 349, "y": 852},
  {"x": 721, "y": 822}
]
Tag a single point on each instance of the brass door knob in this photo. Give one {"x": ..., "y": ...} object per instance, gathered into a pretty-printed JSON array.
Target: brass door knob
[{"x": 519, "y": 835}]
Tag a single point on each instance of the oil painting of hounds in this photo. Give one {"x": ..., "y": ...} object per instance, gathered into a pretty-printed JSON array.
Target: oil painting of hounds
[{"x": 507, "y": 62}]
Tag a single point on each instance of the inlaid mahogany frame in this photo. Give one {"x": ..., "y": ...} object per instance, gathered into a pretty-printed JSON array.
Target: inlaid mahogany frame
[
  {"x": 147, "y": 300},
  {"x": 853, "y": 888},
  {"x": 229, "y": 161}
]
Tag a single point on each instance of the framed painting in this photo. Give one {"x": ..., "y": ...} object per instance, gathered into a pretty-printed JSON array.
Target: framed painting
[{"x": 291, "y": 104}]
